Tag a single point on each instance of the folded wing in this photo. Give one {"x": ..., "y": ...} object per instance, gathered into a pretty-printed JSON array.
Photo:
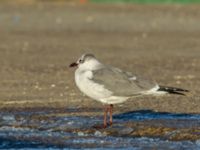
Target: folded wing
[{"x": 122, "y": 83}]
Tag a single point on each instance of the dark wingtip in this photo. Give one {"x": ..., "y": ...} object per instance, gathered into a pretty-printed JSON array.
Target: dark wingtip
[
  {"x": 173, "y": 90},
  {"x": 179, "y": 93}
]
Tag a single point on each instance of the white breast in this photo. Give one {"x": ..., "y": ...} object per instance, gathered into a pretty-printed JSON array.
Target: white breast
[{"x": 90, "y": 88}]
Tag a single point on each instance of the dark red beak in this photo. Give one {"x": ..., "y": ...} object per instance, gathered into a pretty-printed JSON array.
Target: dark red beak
[{"x": 73, "y": 65}]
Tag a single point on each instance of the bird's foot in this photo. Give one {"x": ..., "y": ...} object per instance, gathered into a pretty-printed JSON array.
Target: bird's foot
[{"x": 102, "y": 126}]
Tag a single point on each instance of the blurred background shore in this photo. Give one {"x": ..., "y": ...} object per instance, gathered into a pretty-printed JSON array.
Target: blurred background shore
[
  {"x": 112, "y": 1},
  {"x": 39, "y": 39}
]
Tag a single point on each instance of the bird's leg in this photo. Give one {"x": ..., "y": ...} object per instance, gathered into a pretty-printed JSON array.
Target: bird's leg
[
  {"x": 106, "y": 109},
  {"x": 111, "y": 111},
  {"x": 105, "y": 117}
]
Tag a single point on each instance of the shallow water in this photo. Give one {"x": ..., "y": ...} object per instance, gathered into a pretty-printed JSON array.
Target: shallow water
[{"x": 46, "y": 129}]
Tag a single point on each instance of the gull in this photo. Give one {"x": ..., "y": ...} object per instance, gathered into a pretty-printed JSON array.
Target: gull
[{"x": 110, "y": 85}]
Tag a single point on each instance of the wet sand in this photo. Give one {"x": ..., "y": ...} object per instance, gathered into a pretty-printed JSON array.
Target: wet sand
[{"x": 60, "y": 128}]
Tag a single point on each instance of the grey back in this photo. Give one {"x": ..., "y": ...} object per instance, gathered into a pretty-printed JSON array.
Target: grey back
[{"x": 121, "y": 83}]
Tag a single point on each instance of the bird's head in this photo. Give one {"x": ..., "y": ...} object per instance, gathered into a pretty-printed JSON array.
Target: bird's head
[{"x": 86, "y": 61}]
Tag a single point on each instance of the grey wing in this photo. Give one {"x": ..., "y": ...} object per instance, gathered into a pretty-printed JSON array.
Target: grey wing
[{"x": 122, "y": 83}]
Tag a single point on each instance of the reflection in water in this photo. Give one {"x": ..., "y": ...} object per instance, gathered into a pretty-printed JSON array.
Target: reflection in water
[{"x": 143, "y": 129}]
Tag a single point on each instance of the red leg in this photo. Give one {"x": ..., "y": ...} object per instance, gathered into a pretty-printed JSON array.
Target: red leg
[
  {"x": 106, "y": 109},
  {"x": 111, "y": 111},
  {"x": 105, "y": 116}
]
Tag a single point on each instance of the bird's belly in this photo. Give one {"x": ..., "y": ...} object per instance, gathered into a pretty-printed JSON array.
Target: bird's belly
[
  {"x": 114, "y": 100},
  {"x": 92, "y": 89}
]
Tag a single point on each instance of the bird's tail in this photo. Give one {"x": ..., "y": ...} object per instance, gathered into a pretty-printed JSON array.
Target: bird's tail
[{"x": 172, "y": 90}]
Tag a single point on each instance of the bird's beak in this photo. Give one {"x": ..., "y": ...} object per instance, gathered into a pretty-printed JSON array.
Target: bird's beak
[{"x": 73, "y": 64}]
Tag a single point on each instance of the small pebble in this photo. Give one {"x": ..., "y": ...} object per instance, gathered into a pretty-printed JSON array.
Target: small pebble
[
  {"x": 8, "y": 118},
  {"x": 98, "y": 133},
  {"x": 70, "y": 123},
  {"x": 36, "y": 87},
  {"x": 53, "y": 85},
  {"x": 125, "y": 131},
  {"x": 80, "y": 133}
]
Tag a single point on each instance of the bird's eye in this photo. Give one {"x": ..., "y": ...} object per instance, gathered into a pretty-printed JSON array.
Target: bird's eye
[{"x": 80, "y": 61}]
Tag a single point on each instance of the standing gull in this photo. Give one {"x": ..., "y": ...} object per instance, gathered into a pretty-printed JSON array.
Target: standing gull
[{"x": 111, "y": 85}]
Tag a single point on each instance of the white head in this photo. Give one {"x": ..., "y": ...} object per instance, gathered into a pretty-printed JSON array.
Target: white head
[{"x": 87, "y": 62}]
